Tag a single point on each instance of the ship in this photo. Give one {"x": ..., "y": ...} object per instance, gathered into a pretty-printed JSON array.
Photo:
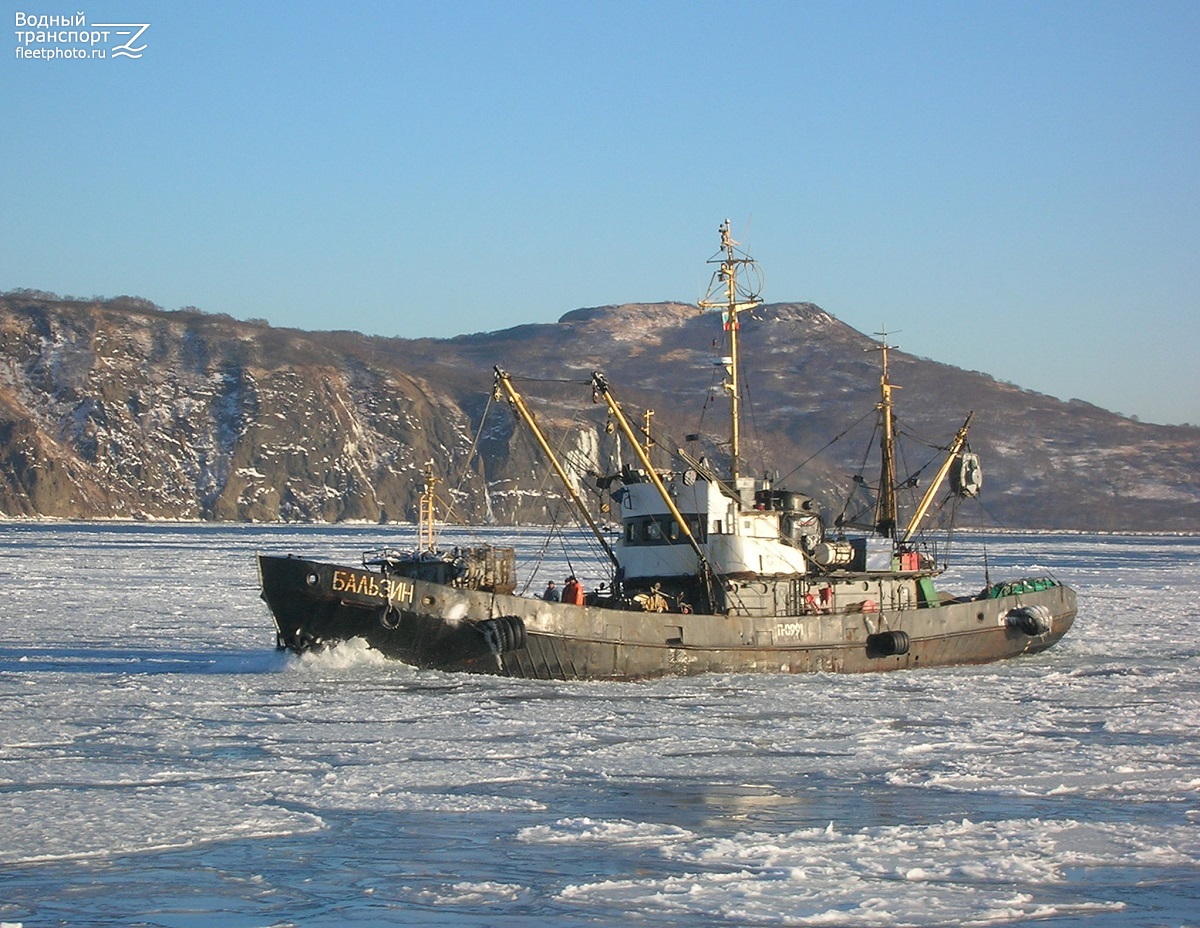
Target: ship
[{"x": 711, "y": 569}]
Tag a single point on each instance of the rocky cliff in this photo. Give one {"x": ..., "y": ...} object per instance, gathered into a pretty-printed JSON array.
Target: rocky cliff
[{"x": 118, "y": 409}]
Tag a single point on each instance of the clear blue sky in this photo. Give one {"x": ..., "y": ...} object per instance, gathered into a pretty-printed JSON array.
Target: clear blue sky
[{"x": 1014, "y": 187}]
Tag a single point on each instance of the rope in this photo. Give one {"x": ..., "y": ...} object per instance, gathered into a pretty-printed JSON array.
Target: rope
[
  {"x": 854, "y": 485},
  {"x": 808, "y": 460},
  {"x": 448, "y": 507}
]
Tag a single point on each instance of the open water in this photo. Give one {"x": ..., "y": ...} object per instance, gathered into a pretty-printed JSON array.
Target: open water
[{"x": 163, "y": 765}]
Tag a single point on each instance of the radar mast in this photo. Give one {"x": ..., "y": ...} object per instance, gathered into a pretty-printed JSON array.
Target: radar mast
[{"x": 734, "y": 289}]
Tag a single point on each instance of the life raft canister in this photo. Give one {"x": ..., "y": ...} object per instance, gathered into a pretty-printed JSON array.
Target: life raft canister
[{"x": 966, "y": 479}]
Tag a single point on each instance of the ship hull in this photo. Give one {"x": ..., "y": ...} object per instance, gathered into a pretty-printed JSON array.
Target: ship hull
[{"x": 443, "y": 627}]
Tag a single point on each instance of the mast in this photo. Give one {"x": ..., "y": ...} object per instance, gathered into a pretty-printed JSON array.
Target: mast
[
  {"x": 887, "y": 510},
  {"x": 504, "y": 383},
  {"x": 646, "y": 417},
  {"x": 425, "y": 511},
  {"x": 730, "y": 296}
]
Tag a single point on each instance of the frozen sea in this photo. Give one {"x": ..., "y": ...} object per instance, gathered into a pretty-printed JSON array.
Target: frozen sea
[{"x": 163, "y": 765}]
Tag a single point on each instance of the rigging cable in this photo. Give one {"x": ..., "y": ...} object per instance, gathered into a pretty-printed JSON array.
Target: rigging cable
[
  {"x": 448, "y": 507},
  {"x": 560, "y": 502},
  {"x": 1025, "y": 550},
  {"x": 836, "y": 438},
  {"x": 860, "y": 481}
]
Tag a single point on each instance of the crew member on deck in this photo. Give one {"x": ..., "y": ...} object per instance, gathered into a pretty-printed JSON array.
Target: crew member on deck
[
  {"x": 551, "y": 593},
  {"x": 572, "y": 592}
]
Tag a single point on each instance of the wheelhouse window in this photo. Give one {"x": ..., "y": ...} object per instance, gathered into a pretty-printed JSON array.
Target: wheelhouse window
[{"x": 661, "y": 530}]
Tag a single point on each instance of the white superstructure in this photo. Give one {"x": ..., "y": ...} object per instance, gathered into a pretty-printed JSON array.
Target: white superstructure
[{"x": 736, "y": 541}]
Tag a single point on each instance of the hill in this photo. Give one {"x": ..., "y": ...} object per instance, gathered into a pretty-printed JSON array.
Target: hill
[{"x": 118, "y": 409}]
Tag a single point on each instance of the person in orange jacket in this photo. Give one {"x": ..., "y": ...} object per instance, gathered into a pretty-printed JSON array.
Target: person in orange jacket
[{"x": 572, "y": 592}]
